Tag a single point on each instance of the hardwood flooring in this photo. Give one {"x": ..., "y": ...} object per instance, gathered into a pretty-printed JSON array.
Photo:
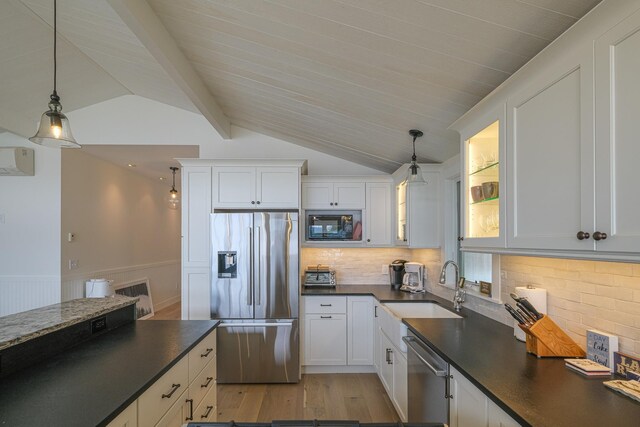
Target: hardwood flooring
[{"x": 317, "y": 396}]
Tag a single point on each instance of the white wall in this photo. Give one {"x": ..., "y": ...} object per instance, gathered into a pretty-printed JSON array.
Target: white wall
[
  {"x": 132, "y": 120},
  {"x": 30, "y": 232},
  {"x": 121, "y": 223}
]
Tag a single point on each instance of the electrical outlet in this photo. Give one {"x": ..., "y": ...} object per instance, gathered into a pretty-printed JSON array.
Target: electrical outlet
[
  {"x": 385, "y": 269},
  {"x": 73, "y": 264},
  {"x": 71, "y": 237},
  {"x": 503, "y": 274}
]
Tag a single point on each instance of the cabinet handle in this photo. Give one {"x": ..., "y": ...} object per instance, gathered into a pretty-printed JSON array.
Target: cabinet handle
[
  {"x": 368, "y": 240},
  {"x": 599, "y": 236},
  {"x": 389, "y": 361},
  {"x": 325, "y": 305},
  {"x": 335, "y": 204},
  {"x": 253, "y": 202},
  {"x": 325, "y": 317},
  {"x": 174, "y": 387},
  {"x": 582, "y": 235},
  {"x": 206, "y": 353},
  {"x": 209, "y": 379},
  {"x": 190, "y": 417},
  {"x": 460, "y": 239},
  {"x": 258, "y": 202},
  {"x": 447, "y": 387},
  {"x": 375, "y": 311},
  {"x": 330, "y": 203},
  {"x": 206, "y": 414}
]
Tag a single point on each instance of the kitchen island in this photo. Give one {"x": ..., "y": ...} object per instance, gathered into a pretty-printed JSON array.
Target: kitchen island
[
  {"x": 91, "y": 383},
  {"x": 533, "y": 391}
]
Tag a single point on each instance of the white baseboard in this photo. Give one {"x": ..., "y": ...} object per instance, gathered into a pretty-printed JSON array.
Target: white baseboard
[{"x": 358, "y": 369}]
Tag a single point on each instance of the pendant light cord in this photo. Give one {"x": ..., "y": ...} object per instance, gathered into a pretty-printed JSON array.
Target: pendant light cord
[
  {"x": 414, "y": 149},
  {"x": 55, "y": 49}
]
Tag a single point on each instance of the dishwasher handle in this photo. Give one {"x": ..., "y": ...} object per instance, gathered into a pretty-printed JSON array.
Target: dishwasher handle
[{"x": 415, "y": 347}]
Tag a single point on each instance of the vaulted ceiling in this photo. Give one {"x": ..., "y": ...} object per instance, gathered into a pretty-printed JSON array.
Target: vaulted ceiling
[{"x": 344, "y": 77}]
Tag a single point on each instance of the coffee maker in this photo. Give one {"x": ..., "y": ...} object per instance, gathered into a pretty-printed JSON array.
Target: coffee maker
[
  {"x": 413, "y": 279},
  {"x": 396, "y": 273}
]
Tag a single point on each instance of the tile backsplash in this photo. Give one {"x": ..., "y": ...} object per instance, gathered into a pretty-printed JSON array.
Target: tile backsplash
[{"x": 581, "y": 294}]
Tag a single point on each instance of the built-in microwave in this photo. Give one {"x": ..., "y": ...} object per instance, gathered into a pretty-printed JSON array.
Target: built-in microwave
[{"x": 333, "y": 225}]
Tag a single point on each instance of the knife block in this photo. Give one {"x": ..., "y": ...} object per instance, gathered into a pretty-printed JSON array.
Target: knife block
[{"x": 546, "y": 339}]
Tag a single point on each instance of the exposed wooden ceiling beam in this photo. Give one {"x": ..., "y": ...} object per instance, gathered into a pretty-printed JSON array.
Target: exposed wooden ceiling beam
[{"x": 145, "y": 24}]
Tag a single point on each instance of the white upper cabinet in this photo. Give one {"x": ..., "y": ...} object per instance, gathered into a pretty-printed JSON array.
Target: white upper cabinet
[
  {"x": 550, "y": 158},
  {"x": 417, "y": 210},
  {"x": 324, "y": 194},
  {"x": 617, "y": 85},
  {"x": 377, "y": 220},
  {"x": 483, "y": 181},
  {"x": 255, "y": 187}
]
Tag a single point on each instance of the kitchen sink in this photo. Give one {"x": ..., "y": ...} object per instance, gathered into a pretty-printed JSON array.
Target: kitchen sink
[{"x": 420, "y": 310}]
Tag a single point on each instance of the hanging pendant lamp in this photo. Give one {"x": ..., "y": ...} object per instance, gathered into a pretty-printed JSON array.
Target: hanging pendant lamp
[
  {"x": 54, "y": 130},
  {"x": 173, "y": 199},
  {"x": 414, "y": 174}
]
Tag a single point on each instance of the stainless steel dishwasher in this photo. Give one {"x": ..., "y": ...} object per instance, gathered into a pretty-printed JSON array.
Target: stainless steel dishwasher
[{"x": 428, "y": 383}]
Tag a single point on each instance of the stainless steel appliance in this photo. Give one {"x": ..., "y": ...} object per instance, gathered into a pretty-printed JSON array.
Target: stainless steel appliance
[
  {"x": 319, "y": 276},
  {"x": 396, "y": 273},
  {"x": 428, "y": 383},
  {"x": 255, "y": 288},
  {"x": 334, "y": 225}
]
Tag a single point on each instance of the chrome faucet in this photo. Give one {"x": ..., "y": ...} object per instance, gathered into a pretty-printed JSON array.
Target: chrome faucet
[{"x": 460, "y": 292}]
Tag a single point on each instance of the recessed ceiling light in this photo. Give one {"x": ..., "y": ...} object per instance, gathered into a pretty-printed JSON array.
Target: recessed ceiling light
[
  {"x": 162, "y": 178},
  {"x": 132, "y": 165}
]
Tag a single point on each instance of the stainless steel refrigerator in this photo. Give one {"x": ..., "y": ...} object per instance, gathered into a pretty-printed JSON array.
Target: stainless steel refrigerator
[{"x": 255, "y": 292}]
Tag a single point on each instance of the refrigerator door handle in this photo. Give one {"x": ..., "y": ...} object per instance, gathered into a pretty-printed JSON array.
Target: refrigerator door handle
[
  {"x": 259, "y": 262},
  {"x": 249, "y": 287},
  {"x": 254, "y": 325}
]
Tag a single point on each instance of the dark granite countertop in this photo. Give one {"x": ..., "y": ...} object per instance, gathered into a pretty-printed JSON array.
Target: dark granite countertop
[
  {"x": 535, "y": 392},
  {"x": 91, "y": 383}
]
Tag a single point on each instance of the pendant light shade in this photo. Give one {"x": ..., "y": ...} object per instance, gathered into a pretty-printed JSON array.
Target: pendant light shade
[
  {"x": 54, "y": 130},
  {"x": 414, "y": 174},
  {"x": 173, "y": 200}
]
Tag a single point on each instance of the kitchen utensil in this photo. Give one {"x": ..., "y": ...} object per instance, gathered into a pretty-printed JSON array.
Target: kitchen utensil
[
  {"x": 477, "y": 195},
  {"x": 490, "y": 189},
  {"x": 527, "y": 305},
  {"x": 515, "y": 314},
  {"x": 537, "y": 297}
]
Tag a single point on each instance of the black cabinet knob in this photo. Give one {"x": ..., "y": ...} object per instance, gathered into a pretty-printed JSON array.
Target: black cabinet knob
[
  {"x": 331, "y": 203},
  {"x": 335, "y": 204},
  {"x": 258, "y": 202},
  {"x": 599, "y": 236},
  {"x": 582, "y": 235},
  {"x": 368, "y": 240},
  {"x": 253, "y": 202},
  {"x": 460, "y": 239}
]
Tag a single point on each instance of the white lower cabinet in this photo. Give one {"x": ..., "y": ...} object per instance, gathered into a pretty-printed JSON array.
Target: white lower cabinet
[
  {"x": 359, "y": 330},
  {"x": 325, "y": 340},
  {"x": 393, "y": 373},
  {"x": 187, "y": 392},
  {"x": 470, "y": 407}
]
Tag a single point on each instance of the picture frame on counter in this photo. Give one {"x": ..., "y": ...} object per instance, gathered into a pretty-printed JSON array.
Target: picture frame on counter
[
  {"x": 624, "y": 363},
  {"x": 601, "y": 346},
  {"x": 138, "y": 288}
]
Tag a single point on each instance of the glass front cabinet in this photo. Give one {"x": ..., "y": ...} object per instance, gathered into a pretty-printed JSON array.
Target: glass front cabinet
[{"x": 483, "y": 182}]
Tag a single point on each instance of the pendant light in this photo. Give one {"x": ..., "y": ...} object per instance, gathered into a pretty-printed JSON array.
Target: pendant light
[
  {"x": 54, "y": 130},
  {"x": 414, "y": 174},
  {"x": 173, "y": 199}
]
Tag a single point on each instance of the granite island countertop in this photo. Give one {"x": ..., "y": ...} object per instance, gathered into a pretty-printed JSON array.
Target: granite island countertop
[
  {"x": 21, "y": 327},
  {"x": 535, "y": 392},
  {"x": 90, "y": 384}
]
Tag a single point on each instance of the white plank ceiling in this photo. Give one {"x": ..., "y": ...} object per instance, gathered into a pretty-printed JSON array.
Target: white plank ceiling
[{"x": 345, "y": 77}]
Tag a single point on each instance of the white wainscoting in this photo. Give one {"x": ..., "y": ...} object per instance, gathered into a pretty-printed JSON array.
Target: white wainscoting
[
  {"x": 164, "y": 281},
  {"x": 22, "y": 293}
]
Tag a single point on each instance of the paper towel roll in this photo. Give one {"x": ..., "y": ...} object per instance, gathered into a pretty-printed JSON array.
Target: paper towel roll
[{"x": 538, "y": 298}]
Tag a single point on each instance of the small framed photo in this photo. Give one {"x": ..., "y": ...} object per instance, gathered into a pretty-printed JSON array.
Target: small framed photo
[
  {"x": 485, "y": 288},
  {"x": 138, "y": 288}
]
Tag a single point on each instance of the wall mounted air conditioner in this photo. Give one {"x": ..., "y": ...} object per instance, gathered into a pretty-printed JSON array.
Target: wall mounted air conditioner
[{"x": 16, "y": 161}]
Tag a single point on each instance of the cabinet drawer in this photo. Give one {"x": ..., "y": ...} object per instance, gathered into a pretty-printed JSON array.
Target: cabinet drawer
[
  {"x": 206, "y": 410},
  {"x": 202, "y": 354},
  {"x": 203, "y": 383},
  {"x": 157, "y": 400},
  {"x": 325, "y": 304}
]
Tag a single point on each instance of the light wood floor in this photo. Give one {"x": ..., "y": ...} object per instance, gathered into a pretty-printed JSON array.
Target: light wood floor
[{"x": 317, "y": 396}]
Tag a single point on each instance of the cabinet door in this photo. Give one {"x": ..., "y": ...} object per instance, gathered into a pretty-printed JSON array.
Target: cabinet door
[
  {"x": 234, "y": 187},
  {"x": 126, "y": 418},
  {"x": 423, "y": 213},
  {"x": 617, "y": 147},
  {"x": 401, "y": 214},
  {"x": 317, "y": 195},
  {"x": 325, "y": 339},
  {"x": 196, "y": 294},
  {"x": 196, "y": 210},
  {"x": 468, "y": 406},
  {"x": 377, "y": 218},
  {"x": 386, "y": 363},
  {"x": 376, "y": 337},
  {"x": 348, "y": 195},
  {"x": 359, "y": 330},
  {"x": 277, "y": 187},
  {"x": 550, "y": 158},
  {"x": 400, "y": 387},
  {"x": 499, "y": 418}
]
